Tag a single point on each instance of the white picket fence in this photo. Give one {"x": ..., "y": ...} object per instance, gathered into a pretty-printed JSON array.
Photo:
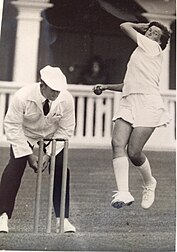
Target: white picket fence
[{"x": 94, "y": 117}]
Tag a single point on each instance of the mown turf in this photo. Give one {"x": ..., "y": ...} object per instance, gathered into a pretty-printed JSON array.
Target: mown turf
[{"x": 99, "y": 226}]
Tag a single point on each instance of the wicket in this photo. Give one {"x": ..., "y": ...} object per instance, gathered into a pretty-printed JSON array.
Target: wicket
[{"x": 51, "y": 185}]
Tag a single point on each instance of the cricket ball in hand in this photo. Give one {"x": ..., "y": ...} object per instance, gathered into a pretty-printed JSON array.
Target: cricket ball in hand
[{"x": 98, "y": 91}]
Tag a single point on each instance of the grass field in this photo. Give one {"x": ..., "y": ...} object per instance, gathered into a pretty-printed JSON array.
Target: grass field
[{"x": 99, "y": 226}]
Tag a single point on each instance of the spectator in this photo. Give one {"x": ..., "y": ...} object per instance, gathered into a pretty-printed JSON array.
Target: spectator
[{"x": 94, "y": 72}]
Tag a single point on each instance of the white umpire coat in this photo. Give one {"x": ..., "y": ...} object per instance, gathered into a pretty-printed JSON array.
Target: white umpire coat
[{"x": 25, "y": 122}]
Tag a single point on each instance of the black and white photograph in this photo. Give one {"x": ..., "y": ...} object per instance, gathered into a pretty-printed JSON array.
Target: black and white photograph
[{"x": 88, "y": 125}]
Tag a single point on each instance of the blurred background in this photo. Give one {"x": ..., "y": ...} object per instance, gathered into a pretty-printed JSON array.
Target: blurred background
[
  {"x": 84, "y": 39},
  {"x": 72, "y": 32}
]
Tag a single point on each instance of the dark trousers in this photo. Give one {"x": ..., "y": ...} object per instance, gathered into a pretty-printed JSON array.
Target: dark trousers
[{"x": 11, "y": 180}]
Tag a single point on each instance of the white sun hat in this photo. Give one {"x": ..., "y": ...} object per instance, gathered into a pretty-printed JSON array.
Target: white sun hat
[{"x": 54, "y": 78}]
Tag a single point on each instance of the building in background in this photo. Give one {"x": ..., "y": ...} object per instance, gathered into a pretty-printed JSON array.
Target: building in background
[
  {"x": 67, "y": 33},
  {"x": 1, "y": 9}
]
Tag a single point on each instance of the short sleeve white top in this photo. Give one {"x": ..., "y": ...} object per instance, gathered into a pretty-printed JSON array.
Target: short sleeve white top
[{"x": 144, "y": 68}]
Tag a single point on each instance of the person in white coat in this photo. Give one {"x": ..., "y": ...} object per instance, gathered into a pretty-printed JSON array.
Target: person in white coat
[{"x": 37, "y": 111}]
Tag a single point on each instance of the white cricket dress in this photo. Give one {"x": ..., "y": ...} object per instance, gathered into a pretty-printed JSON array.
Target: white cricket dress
[{"x": 141, "y": 103}]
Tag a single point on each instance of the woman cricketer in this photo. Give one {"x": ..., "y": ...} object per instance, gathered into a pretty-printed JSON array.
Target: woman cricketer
[{"x": 141, "y": 110}]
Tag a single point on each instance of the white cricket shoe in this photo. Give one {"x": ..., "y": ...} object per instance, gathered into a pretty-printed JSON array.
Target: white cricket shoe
[
  {"x": 4, "y": 223},
  {"x": 121, "y": 199},
  {"x": 68, "y": 227},
  {"x": 149, "y": 195}
]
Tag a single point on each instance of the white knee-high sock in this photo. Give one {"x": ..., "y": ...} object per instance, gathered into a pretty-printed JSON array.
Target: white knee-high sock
[
  {"x": 145, "y": 171},
  {"x": 121, "y": 171}
]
